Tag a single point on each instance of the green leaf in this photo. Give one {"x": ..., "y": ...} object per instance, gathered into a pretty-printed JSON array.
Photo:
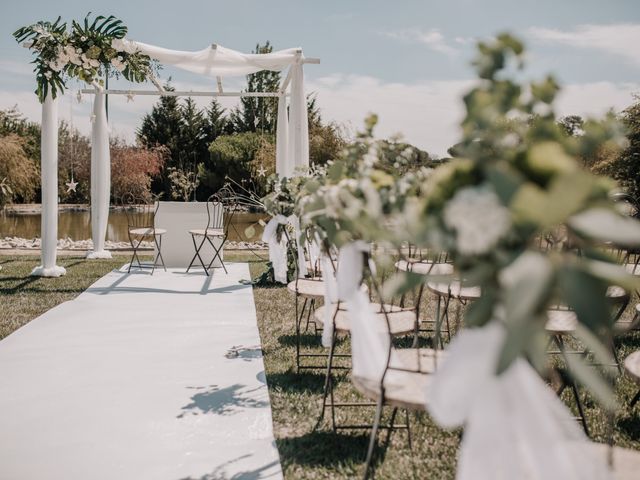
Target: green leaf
[
  {"x": 480, "y": 312},
  {"x": 586, "y": 295},
  {"x": 590, "y": 378},
  {"x": 607, "y": 225}
]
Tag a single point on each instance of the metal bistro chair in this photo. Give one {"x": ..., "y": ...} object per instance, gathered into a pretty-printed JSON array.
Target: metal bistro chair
[
  {"x": 141, "y": 214},
  {"x": 308, "y": 291},
  {"x": 220, "y": 211},
  {"x": 402, "y": 321},
  {"x": 404, "y": 377}
]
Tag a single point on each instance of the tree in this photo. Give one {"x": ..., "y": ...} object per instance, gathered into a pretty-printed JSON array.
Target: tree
[
  {"x": 258, "y": 114},
  {"x": 163, "y": 127},
  {"x": 133, "y": 168},
  {"x": 625, "y": 167},
  {"x": 18, "y": 172},
  {"x": 217, "y": 122},
  {"x": 325, "y": 140},
  {"x": 232, "y": 156},
  {"x": 571, "y": 124},
  {"x": 12, "y": 121}
]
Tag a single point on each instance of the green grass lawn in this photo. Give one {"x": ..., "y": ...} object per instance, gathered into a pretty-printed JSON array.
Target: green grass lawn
[{"x": 305, "y": 453}]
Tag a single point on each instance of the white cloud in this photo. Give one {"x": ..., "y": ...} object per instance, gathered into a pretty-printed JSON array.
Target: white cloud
[
  {"x": 617, "y": 39},
  {"x": 433, "y": 39},
  {"x": 595, "y": 99},
  {"x": 426, "y": 114}
]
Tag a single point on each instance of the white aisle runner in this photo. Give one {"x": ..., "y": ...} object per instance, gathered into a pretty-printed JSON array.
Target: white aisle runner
[{"x": 141, "y": 377}]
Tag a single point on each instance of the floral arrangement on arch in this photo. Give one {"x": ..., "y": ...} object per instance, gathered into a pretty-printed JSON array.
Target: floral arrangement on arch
[{"x": 87, "y": 52}]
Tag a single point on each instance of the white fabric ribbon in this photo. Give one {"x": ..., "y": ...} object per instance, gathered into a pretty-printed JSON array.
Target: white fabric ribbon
[
  {"x": 370, "y": 340},
  {"x": 330, "y": 299},
  {"x": 515, "y": 426},
  {"x": 278, "y": 248}
]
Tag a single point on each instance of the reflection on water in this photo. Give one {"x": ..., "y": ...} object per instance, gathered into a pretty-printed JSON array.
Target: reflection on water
[{"x": 77, "y": 225}]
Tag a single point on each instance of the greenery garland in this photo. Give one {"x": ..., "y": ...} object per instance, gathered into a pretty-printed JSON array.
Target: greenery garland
[{"x": 87, "y": 52}]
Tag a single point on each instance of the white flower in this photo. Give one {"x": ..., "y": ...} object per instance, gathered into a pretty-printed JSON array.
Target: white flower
[
  {"x": 83, "y": 38},
  {"x": 130, "y": 47},
  {"x": 56, "y": 65},
  {"x": 47, "y": 74},
  {"x": 478, "y": 218},
  {"x": 75, "y": 59},
  {"x": 117, "y": 44},
  {"x": 94, "y": 63},
  {"x": 117, "y": 64}
]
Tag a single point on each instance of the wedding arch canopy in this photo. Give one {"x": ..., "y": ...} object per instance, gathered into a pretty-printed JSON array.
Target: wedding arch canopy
[{"x": 292, "y": 137}]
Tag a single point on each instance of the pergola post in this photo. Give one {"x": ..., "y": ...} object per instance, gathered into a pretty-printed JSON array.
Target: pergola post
[
  {"x": 298, "y": 155},
  {"x": 49, "y": 175},
  {"x": 100, "y": 176}
]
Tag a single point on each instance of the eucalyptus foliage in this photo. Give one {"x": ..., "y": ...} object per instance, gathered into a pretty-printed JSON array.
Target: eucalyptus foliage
[
  {"x": 515, "y": 211},
  {"x": 89, "y": 50}
]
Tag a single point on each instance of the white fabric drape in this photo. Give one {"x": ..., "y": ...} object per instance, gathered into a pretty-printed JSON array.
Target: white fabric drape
[
  {"x": 283, "y": 166},
  {"x": 49, "y": 176},
  {"x": 218, "y": 61},
  {"x": 298, "y": 154},
  {"x": 100, "y": 177},
  {"x": 330, "y": 299},
  {"x": 370, "y": 341},
  {"x": 278, "y": 248},
  {"x": 514, "y": 425}
]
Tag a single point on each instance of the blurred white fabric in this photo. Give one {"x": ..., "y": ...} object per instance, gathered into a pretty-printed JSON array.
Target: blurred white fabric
[{"x": 515, "y": 427}]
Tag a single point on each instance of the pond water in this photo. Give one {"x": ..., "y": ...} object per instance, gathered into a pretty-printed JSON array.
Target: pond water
[{"x": 76, "y": 225}]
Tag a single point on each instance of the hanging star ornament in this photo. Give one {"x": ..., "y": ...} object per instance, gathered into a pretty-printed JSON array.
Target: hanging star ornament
[
  {"x": 130, "y": 96},
  {"x": 71, "y": 185},
  {"x": 262, "y": 171}
]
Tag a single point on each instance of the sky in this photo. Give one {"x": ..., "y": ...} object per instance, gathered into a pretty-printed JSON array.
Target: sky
[{"x": 407, "y": 61}]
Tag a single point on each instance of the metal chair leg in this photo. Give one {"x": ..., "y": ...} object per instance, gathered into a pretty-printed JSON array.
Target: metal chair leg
[
  {"x": 574, "y": 387},
  {"x": 328, "y": 385},
  {"x": 374, "y": 434},
  {"x": 158, "y": 242}
]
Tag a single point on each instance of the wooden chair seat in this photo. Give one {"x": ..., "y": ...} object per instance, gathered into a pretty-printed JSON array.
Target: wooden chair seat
[
  {"x": 307, "y": 287},
  {"x": 424, "y": 268},
  {"x": 561, "y": 322},
  {"x": 455, "y": 289},
  {"x": 401, "y": 321},
  {"x": 209, "y": 232},
  {"x": 632, "y": 268},
  {"x": 145, "y": 231},
  {"x": 408, "y": 392},
  {"x": 311, "y": 287},
  {"x": 404, "y": 389},
  {"x": 616, "y": 293},
  {"x": 632, "y": 366}
]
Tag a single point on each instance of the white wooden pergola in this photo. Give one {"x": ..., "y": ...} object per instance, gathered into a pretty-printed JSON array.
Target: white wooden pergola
[{"x": 292, "y": 136}]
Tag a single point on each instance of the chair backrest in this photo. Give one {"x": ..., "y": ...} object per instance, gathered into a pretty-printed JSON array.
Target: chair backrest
[
  {"x": 221, "y": 208},
  {"x": 140, "y": 211}
]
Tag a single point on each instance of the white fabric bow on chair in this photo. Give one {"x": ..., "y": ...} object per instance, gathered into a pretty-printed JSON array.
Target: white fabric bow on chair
[
  {"x": 515, "y": 427},
  {"x": 278, "y": 248},
  {"x": 370, "y": 341}
]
